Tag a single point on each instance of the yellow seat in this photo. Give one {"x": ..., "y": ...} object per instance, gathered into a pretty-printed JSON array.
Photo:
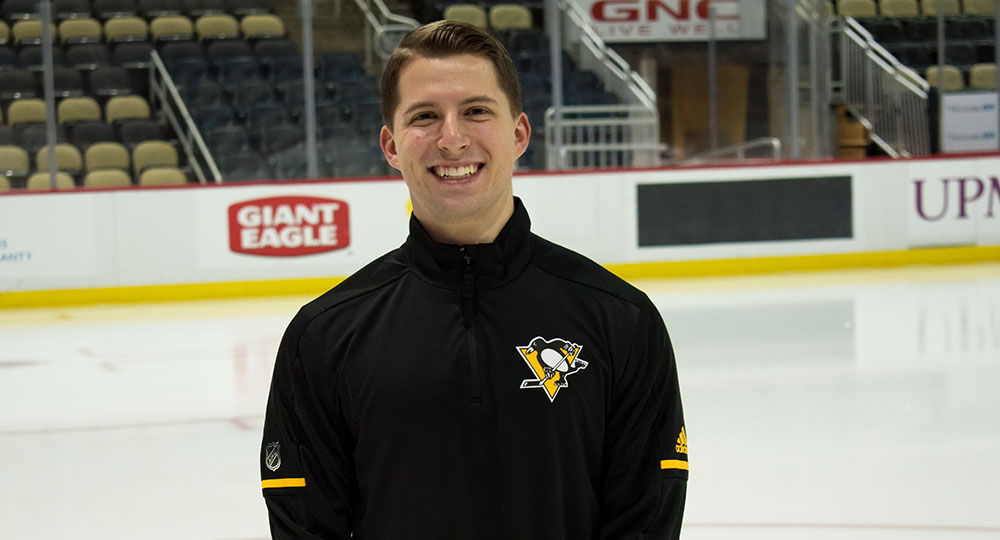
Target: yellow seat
[
  {"x": 467, "y": 13},
  {"x": 899, "y": 8},
  {"x": 126, "y": 29},
  {"x": 42, "y": 180},
  {"x": 217, "y": 26},
  {"x": 106, "y": 155},
  {"x": 78, "y": 109},
  {"x": 14, "y": 161},
  {"x": 952, "y": 79},
  {"x": 983, "y": 77},
  {"x": 170, "y": 27},
  {"x": 107, "y": 178},
  {"x": 153, "y": 154},
  {"x": 26, "y": 110},
  {"x": 509, "y": 17},
  {"x": 857, "y": 8},
  {"x": 68, "y": 158},
  {"x": 125, "y": 107},
  {"x": 929, "y": 7},
  {"x": 85, "y": 30},
  {"x": 262, "y": 26},
  {"x": 29, "y": 32},
  {"x": 979, "y": 7},
  {"x": 162, "y": 176}
]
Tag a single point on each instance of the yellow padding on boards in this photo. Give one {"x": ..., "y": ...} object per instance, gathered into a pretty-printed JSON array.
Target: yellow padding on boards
[
  {"x": 666, "y": 269},
  {"x": 283, "y": 483},
  {"x": 674, "y": 464}
]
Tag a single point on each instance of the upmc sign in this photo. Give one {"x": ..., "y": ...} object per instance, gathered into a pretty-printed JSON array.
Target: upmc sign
[
  {"x": 288, "y": 226},
  {"x": 675, "y": 20}
]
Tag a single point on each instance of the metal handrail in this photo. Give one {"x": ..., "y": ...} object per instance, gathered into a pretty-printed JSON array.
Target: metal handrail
[
  {"x": 383, "y": 31},
  {"x": 738, "y": 151},
  {"x": 161, "y": 86}
]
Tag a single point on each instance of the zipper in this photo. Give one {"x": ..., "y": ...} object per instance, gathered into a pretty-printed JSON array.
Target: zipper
[{"x": 468, "y": 310}]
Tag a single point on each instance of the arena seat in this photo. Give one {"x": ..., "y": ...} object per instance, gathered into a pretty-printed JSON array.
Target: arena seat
[
  {"x": 899, "y": 8},
  {"x": 929, "y": 7},
  {"x": 86, "y": 133},
  {"x": 126, "y": 29},
  {"x": 26, "y": 110},
  {"x": 68, "y": 82},
  {"x": 472, "y": 14},
  {"x": 78, "y": 109},
  {"x": 42, "y": 181},
  {"x": 84, "y": 30},
  {"x": 135, "y": 132},
  {"x": 983, "y": 76},
  {"x": 106, "y": 155},
  {"x": 217, "y": 26},
  {"x": 109, "y": 81},
  {"x": 14, "y": 161},
  {"x": 509, "y": 16},
  {"x": 261, "y": 26},
  {"x": 18, "y": 84},
  {"x": 68, "y": 159},
  {"x": 70, "y": 9},
  {"x": 979, "y": 7},
  {"x": 148, "y": 154},
  {"x": 197, "y": 8},
  {"x": 158, "y": 8},
  {"x": 29, "y": 32},
  {"x": 857, "y": 8},
  {"x": 107, "y": 178},
  {"x": 87, "y": 56},
  {"x": 162, "y": 176},
  {"x": 241, "y": 8},
  {"x": 120, "y": 108},
  {"x": 132, "y": 55},
  {"x": 171, "y": 28},
  {"x": 19, "y": 9},
  {"x": 30, "y": 57},
  {"x": 952, "y": 79}
]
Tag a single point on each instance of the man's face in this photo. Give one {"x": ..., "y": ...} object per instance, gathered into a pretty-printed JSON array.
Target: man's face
[{"x": 454, "y": 140}]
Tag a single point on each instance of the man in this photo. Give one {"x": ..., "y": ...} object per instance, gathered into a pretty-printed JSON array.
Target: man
[{"x": 479, "y": 382}]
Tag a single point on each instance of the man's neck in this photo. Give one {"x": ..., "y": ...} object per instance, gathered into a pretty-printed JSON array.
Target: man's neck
[{"x": 482, "y": 230}]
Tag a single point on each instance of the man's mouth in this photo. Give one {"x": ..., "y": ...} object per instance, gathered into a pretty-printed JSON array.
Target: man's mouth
[{"x": 457, "y": 173}]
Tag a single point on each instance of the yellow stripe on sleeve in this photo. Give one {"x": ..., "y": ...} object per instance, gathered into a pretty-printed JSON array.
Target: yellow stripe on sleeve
[
  {"x": 283, "y": 483},
  {"x": 674, "y": 464}
]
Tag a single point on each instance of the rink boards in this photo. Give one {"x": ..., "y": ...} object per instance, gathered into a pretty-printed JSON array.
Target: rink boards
[{"x": 299, "y": 236}]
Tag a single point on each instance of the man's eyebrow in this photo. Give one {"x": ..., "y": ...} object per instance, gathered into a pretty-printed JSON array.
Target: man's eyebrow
[{"x": 466, "y": 101}]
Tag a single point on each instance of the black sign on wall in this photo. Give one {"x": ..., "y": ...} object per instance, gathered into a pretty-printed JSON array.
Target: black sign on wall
[{"x": 744, "y": 211}]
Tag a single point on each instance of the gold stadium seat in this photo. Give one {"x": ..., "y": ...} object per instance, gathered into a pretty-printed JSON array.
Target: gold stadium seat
[
  {"x": 118, "y": 29},
  {"x": 4, "y": 183},
  {"x": 154, "y": 153},
  {"x": 106, "y": 155},
  {"x": 68, "y": 159},
  {"x": 26, "y": 110},
  {"x": 857, "y": 8},
  {"x": 125, "y": 107},
  {"x": 162, "y": 176},
  {"x": 979, "y": 7},
  {"x": 78, "y": 109},
  {"x": 953, "y": 80},
  {"x": 467, "y": 13},
  {"x": 510, "y": 16},
  {"x": 262, "y": 26},
  {"x": 42, "y": 180},
  {"x": 85, "y": 30},
  {"x": 983, "y": 77},
  {"x": 14, "y": 161},
  {"x": 29, "y": 32},
  {"x": 107, "y": 178},
  {"x": 171, "y": 27},
  {"x": 929, "y": 7},
  {"x": 217, "y": 26},
  {"x": 899, "y": 8}
]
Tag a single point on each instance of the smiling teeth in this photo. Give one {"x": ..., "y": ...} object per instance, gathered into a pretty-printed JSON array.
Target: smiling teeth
[{"x": 456, "y": 172}]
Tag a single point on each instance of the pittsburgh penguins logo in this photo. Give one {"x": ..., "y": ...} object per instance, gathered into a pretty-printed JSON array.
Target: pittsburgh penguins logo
[
  {"x": 551, "y": 361},
  {"x": 272, "y": 459}
]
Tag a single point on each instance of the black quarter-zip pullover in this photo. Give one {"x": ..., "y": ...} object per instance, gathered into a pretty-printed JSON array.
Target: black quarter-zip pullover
[{"x": 513, "y": 390}]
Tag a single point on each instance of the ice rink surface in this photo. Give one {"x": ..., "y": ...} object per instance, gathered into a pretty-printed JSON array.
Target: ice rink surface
[{"x": 859, "y": 404}]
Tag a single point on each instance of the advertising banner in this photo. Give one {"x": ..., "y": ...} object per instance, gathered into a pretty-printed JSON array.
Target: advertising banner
[
  {"x": 969, "y": 122},
  {"x": 954, "y": 202},
  {"x": 48, "y": 237},
  {"x": 629, "y": 21}
]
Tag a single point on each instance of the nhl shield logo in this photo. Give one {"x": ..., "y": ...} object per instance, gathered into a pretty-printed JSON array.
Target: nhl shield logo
[
  {"x": 552, "y": 361},
  {"x": 272, "y": 456}
]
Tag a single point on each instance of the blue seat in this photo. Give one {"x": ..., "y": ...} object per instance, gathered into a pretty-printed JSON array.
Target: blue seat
[
  {"x": 211, "y": 116},
  {"x": 246, "y": 93},
  {"x": 227, "y": 140}
]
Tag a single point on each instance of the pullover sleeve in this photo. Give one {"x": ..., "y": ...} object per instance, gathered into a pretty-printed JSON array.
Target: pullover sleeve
[
  {"x": 307, "y": 472},
  {"x": 645, "y": 466}
]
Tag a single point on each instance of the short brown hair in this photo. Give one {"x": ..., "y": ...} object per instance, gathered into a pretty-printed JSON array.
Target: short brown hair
[{"x": 442, "y": 39}]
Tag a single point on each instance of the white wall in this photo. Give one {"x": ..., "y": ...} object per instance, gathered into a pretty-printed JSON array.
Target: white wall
[{"x": 86, "y": 239}]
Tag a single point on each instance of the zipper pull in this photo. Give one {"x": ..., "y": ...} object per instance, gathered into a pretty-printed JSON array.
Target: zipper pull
[{"x": 468, "y": 288}]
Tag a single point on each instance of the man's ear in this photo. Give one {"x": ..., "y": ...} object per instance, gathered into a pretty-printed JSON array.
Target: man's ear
[
  {"x": 522, "y": 134},
  {"x": 388, "y": 145}
]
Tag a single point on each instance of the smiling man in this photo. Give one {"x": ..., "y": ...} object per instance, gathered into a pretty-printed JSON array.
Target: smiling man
[{"x": 479, "y": 382}]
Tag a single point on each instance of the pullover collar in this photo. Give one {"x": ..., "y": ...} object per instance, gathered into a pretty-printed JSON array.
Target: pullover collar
[{"x": 494, "y": 264}]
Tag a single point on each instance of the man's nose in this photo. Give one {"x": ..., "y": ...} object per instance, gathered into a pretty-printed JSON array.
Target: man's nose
[{"x": 453, "y": 135}]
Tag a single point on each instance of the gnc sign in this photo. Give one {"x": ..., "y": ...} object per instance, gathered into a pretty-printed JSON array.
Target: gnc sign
[
  {"x": 675, "y": 20},
  {"x": 288, "y": 226}
]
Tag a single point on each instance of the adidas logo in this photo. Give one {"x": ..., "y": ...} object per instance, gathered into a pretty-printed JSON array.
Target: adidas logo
[{"x": 682, "y": 443}]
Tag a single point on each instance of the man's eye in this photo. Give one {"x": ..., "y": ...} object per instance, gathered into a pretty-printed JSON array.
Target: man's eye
[
  {"x": 422, "y": 117},
  {"x": 478, "y": 111}
]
